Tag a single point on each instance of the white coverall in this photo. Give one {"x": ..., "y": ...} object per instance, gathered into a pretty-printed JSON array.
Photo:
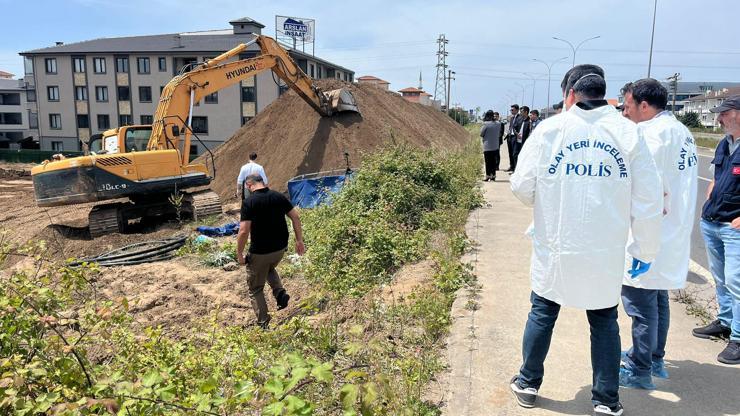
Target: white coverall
[
  {"x": 674, "y": 152},
  {"x": 591, "y": 179}
]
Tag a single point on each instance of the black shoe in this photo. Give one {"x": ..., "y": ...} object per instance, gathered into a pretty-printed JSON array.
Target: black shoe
[
  {"x": 602, "y": 409},
  {"x": 488, "y": 178},
  {"x": 524, "y": 396},
  {"x": 713, "y": 330},
  {"x": 731, "y": 354},
  {"x": 493, "y": 178},
  {"x": 282, "y": 299}
]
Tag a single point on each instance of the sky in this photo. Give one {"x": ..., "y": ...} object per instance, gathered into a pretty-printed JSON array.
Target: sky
[{"x": 492, "y": 44}]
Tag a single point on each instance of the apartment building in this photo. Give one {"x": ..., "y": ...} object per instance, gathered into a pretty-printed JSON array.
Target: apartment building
[
  {"x": 17, "y": 121},
  {"x": 87, "y": 87}
]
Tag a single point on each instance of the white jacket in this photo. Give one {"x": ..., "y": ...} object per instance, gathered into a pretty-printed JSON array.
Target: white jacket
[
  {"x": 674, "y": 151},
  {"x": 251, "y": 168},
  {"x": 591, "y": 178}
]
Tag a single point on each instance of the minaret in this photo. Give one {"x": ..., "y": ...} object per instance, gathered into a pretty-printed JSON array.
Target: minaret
[{"x": 420, "y": 87}]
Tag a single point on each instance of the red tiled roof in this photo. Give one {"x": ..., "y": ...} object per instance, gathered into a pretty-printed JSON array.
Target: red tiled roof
[
  {"x": 411, "y": 89},
  {"x": 4, "y": 74},
  {"x": 372, "y": 78},
  {"x": 724, "y": 94}
]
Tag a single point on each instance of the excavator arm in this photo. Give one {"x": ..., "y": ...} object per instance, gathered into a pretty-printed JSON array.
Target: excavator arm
[{"x": 172, "y": 117}]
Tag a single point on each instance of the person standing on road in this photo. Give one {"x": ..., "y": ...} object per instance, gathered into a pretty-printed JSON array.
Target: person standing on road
[
  {"x": 534, "y": 120},
  {"x": 515, "y": 123},
  {"x": 591, "y": 179},
  {"x": 263, "y": 221},
  {"x": 645, "y": 296},
  {"x": 490, "y": 133},
  {"x": 251, "y": 168},
  {"x": 523, "y": 134},
  {"x": 720, "y": 227}
]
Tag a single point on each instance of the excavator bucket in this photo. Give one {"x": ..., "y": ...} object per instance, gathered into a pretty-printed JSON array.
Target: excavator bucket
[{"x": 341, "y": 100}]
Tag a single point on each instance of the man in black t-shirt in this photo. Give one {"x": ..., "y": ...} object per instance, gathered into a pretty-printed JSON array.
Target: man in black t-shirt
[{"x": 263, "y": 220}]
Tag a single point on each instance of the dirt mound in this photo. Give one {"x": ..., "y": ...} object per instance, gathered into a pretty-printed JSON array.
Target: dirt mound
[{"x": 291, "y": 138}]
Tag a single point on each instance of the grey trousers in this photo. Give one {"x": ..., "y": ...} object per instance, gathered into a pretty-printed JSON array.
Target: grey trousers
[{"x": 261, "y": 269}]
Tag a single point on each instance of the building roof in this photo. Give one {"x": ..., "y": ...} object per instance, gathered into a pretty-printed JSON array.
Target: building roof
[
  {"x": 220, "y": 40},
  {"x": 714, "y": 94},
  {"x": 411, "y": 89},
  {"x": 4, "y": 74},
  {"x": 247, "y": 20},
  {"x": 11, "y": 84},
  {"x": 372, "y": 78},
  {"x": 699, "y": 87}
]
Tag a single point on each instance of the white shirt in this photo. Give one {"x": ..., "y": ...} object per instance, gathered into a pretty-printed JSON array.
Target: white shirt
[
  {"x": 250, "y": 168},
  {"x": 674, "y": 152},
  {"x": 591, "y": 178}
]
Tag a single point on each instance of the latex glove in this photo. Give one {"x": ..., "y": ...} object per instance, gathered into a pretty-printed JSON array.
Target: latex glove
[{"x": 638, "y": 267}]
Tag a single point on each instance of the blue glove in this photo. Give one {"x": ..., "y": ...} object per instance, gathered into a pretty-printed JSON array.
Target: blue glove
[{"x": 638, "y": 267}]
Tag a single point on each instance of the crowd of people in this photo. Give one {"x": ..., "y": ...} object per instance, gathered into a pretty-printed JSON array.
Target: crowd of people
[{"x": 613, "y": 192}]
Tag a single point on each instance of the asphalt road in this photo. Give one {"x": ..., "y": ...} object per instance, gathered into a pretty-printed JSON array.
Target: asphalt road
[{"x": 698, "y": 249}]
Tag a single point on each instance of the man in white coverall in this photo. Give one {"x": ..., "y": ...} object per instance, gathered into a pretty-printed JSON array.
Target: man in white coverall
[
  {"x": 591, "y": 180},
  {"x": 645, "y": 296}
]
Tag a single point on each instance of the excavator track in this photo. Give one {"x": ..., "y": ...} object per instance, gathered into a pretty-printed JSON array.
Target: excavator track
[
  {"x": 202, "y": 204},
  {"x": 104, "y": 219}
]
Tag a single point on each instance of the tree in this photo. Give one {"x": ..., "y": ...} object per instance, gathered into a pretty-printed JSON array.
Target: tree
[
  {"x": 459, "y": 115},
  {"x": 690, "y": 119}
]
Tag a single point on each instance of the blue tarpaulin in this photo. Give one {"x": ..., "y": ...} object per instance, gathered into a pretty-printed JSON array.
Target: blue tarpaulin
[
  {"x": 227, "y": 229},
  {"x": 311, "y": 190}
]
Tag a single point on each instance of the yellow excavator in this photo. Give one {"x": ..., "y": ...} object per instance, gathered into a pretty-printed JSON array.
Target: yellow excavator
[{"x": 147, "y": 164}]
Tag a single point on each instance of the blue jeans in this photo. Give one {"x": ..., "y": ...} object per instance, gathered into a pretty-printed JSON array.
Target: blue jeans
[
  {"x": 650, "y": 315},
  {"x": 723, "y": 251},
  {"x": 605, "y": 345}
]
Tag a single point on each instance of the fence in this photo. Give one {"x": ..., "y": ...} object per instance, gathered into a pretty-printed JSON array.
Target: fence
[{"x": 31, "y": 156}]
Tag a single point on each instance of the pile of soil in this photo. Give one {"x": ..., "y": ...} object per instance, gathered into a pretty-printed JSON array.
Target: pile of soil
[{"x": 291, "y": 138}]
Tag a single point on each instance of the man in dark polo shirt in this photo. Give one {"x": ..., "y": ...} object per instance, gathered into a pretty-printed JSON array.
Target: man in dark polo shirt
[
  {"x": 263, "y": 219},
  {"x": 720, "y": 226}
]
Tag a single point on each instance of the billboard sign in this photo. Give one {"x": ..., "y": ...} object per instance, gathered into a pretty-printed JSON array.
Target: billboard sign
[{"x": 296, "y": 28}]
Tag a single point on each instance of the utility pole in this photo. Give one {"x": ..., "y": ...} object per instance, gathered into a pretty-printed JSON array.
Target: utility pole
[
  {"x": 449, "y": 79},
  {"x": 674, "y": 86},
  {"x": 652, "y": 38},
  {"x": 439, "y": 83}
]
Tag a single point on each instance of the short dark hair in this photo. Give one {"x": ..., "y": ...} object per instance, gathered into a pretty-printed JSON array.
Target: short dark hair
[
  {"x": 586, "y": 80},
  {"x": 254, "y": 178},
  {"x": 525, "y": 108},
  {"x": 253, "y": 156},
  {"x": 647, "y": 90},
  {"x": 515, "y": 106},
  {"x": 535, "y": 112},
  {"x": 488, "y": 116}
]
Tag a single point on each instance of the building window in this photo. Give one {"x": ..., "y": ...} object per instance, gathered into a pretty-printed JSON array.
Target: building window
[
  {"x": 81, "y": 93},
  {"x": 28, "y": 65},
  {"x": 160, "y": 90},
  {"x": 55, "y": 121},
  {"x": 31, "y": 96},
  {"x": 212, "y": 98},
  {"x": 193, "y": 150},
  {"x": 99, "y": 65},
  {"x": 78, "y": 65},
  {"x": 52, "y": 93},
  {"x": 10, "y": 99},
  {"x": 121, "y": 64},
  {"x": 124, "y": 120},
  {"x": 101, "y": 94},
  {"x": 57, "y": 146},
  {"x": 33, "y": 120},
  {"x": 312, "y": 70},
  {"x": 142, "y": 65},
  {"x": 51, "y": 65},
  {"x": 103, "y": 121},
  {"x": 248, "y": 94},
  {"x": 145, "y": 94},
  {"x": 200, "y": 125},
  {"x": 162, "y": 64},
  {"x": 124, "y": 93},
  {"x": 83, "y": 121},
  {"x": 146, "y": 119},
  {"x": 246, "y": 119},
  {"x": 11, "y": 118}
]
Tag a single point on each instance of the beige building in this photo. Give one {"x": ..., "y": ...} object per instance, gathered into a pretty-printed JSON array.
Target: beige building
[
  {"x": 17, "y": 126},
  {"x": 701, "y": 105},
  {"x": 87, "y": 87}
]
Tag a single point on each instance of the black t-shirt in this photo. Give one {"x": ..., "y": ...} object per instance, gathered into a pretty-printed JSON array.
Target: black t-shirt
[{"x": 266, "y": 209}]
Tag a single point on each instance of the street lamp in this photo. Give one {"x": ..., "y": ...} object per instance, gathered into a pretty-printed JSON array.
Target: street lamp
[
  {"x": 652, "y": 38},
  {"x": 534, "y": 84},
  {"x": 524, "y": 88},
  {"x": 549, "y": 71},
  {"x": 575, "y": 49}
]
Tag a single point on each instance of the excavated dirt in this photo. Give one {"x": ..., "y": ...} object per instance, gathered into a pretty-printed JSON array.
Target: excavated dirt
[{"x": 291, "y": 138}]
